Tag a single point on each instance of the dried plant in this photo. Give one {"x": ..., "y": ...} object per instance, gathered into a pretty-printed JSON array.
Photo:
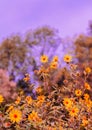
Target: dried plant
[{"x": 7, "y": 87}]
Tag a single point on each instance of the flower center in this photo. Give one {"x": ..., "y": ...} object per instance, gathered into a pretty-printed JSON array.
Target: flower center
[
  {"x": 15, "y": 116},
  {"x": 66, "y": 102},
  {"x": 73, "y": 111}
]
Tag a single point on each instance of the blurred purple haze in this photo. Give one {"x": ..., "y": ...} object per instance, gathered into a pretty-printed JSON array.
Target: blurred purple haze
[{"x": 68, "y": 16}]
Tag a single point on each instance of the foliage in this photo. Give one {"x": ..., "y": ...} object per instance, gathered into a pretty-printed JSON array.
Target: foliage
[
  {"x": 83, "y": 48},
  {"x": 19, "y": 54}
]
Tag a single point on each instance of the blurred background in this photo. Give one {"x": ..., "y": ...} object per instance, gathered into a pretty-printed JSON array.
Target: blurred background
[{"x": 68, "y": 16}]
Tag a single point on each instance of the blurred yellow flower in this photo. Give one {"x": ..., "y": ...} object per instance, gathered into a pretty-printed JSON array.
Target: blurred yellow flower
[
  {"x": 15, "y": 115},
  {"x": 39, "y": 90},
  {"x": 67, "y": 102},
  {"x": 29, "y": 100},
  {"x": 18, "y": 100},
  {"x": 44, "y": 59},
  {"x": 55, "y": 59},
  {"x": 67, "y": 58},
  {"x": 78, "y": 92},
  {"x": 86, "y": 96},
  {"x": 85, "y": 122},
  {"x": 89, "y": 103},
  {"x": 87, "y": 70},
  {"x": 41, "y": 98},
  {"x": 34, "y": 117},
  {"x": 53, "y": 65},
  {"x": 1, "y": 99},
  {"x": 74, "y": 111},
  {"x": 87, "y": 86}
]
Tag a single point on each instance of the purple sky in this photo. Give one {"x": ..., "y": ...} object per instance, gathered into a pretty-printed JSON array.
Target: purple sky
[{"x": 68, "y": 16}]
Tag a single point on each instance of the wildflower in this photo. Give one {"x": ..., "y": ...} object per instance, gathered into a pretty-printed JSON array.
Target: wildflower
[
  {"x": 74, "y": 111},
  {"x": 55, "y": 59},
  {"x": 86, "y": 96},
  {"x": 39, "y": 90},
  {"x": 78, "y": 92},
  {"x": 67, "y": 102},
  {"x": 1, "y": 99},
  {"x": 53, "y": 65},
  {"x": 34, "y": 117},
  {"x": 15, "y": 115},
  {"x": 89, "y": 103},
  {"x": 87, "y": 70},
  {"x": 67, "y": 58},
  {"x": 85, "y": 122},
  {"x": 44, "y": 59},
  {"x": 29, "y": 99},
  {"x": 41, "y": 98},
  {"x": 18, "y": 100},
  {"x": 87, "y": 86}
]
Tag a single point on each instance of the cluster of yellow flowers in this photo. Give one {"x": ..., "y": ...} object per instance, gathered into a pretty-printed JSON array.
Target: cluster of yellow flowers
[{"x": 37, "y": 114}]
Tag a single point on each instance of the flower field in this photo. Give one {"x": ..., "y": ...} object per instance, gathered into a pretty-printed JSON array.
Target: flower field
[{"x": 63, "y": 99}]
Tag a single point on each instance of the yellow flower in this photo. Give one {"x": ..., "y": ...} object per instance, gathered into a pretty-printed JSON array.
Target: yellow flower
[
  {"x": 55, "y": 59},
  {"x": 39, "y": 90},
  {"x": 41, "y": 98},
  {"x": 87, "y": 86},
  {"x": 44, "y": 59},
  {"x": 53, "y": 65},
  {"x": 15, "y": 115},
  {"x": 86, "y": 96},
  {"x": 87, "y": 70},
  {"x": 34, "y": 117},
  {"x": 29, "y": 100},
  {"x": 1, "y": 99},
  {"x": 67, "y": 58},
  {"x": 89, "y": 103},
  {"x": 78, "y": 92},
  {"x": 18, "y": 100},
  {"x": 85, "y": 122},
  {"x": 67, "y": 102},
  {"x": 74, "y": 111}
]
